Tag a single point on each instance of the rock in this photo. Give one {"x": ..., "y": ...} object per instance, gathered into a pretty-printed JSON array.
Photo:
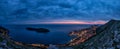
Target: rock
[
  {"x": 2, "y": 29},
  {"x": 52, "y": 47},
  {"x": 38, "y": 29}
]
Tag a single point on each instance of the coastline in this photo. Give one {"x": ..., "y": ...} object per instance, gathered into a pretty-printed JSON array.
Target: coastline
[
  {"x": 72, "y": 42},
  {"x": 4, "y": 35}
]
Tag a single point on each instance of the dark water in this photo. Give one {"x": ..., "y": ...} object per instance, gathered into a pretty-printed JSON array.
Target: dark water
[{"x": 58, "y": 33}]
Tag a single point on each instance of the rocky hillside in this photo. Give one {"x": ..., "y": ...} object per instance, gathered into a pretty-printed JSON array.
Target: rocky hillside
[{"x": 108, "y": 37}]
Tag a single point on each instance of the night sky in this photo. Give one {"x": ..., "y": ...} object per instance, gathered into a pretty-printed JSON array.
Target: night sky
[{"x": 58, "y": 11}]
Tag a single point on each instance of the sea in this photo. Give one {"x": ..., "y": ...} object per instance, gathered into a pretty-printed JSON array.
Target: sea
[{"x": 59, "y": 33}]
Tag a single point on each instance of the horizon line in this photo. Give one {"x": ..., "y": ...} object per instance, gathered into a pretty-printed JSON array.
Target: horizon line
[{"x": 59, "y": 22}]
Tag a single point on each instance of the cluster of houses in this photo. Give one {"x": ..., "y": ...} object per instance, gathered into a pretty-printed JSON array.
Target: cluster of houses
[{"x": 82, "y": 35}]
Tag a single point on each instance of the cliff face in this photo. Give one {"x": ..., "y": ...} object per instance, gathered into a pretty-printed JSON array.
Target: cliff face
[{"x": 108, "y": 37}]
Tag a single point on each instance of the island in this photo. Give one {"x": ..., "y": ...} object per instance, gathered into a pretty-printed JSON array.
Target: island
[{"x": 43, "y": 30}]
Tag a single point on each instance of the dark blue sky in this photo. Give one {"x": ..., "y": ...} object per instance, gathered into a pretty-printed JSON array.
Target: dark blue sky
[{"x": 48, "y": 11}]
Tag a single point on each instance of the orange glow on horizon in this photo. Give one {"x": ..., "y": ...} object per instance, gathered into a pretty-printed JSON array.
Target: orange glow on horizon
[{"x": 75, "y": 22}]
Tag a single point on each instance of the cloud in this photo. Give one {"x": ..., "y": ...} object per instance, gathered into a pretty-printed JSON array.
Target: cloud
[{"x": 44, "y": 10}]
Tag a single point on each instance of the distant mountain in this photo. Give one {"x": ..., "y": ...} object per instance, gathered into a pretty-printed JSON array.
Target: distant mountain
[{"x": 107, "y": 37}]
